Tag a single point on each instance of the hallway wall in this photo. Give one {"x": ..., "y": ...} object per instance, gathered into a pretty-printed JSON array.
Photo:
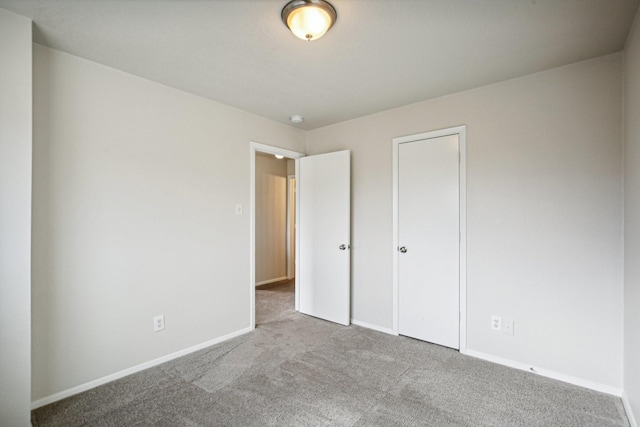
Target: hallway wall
[
  {"x": 632, "y": 219},
  {"x": 271, "y": 219}
]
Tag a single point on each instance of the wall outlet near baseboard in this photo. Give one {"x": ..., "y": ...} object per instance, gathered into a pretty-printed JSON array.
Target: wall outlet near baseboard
[
  {"x": 496, "y": 323},
  {"x": 158, "y": 323}
]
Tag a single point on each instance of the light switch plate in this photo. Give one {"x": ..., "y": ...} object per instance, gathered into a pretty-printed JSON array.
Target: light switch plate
[{"x": 238, "y": 209}]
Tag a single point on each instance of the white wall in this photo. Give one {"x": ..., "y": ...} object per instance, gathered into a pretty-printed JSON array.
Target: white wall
[
  {"x": 632, "y": 219},
  {"x": 544, "y": 214},
  {"x": 135, "y": 185},
  {"x": 15, "y": 219},
  {"x": 271, "y": 219}
]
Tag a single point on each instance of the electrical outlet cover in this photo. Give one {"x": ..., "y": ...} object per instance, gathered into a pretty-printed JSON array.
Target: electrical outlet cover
[
  {"x": 496, "y": 323},
  {"x": 158, "y": 323}
]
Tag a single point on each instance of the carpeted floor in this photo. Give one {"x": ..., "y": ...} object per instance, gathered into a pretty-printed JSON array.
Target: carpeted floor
[{"x": 295, "y": 370}]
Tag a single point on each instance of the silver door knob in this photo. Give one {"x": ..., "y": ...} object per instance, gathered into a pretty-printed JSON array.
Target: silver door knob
[
  {"x": 343, "y": 247},
  {"x": 403, "y": 249}
]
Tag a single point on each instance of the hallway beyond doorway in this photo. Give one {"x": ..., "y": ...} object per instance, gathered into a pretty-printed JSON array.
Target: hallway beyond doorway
[{"x": 274, "y": 301}]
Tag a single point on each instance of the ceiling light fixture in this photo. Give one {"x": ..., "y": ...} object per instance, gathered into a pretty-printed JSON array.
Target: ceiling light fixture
[
  {"x": 279, "y": 156},
  {"x": 296, "y": 119},
  {"x": 309, "y": 19}
]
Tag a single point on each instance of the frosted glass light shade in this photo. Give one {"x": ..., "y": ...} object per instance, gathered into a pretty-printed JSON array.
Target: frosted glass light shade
[{"x": 309, "y": 19}]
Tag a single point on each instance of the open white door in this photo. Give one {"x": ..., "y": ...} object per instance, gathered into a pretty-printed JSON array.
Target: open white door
[{"x": 324, "y": 193}]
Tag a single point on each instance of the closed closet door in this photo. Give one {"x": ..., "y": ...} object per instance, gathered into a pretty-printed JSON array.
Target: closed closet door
[{"x": 429, "y": 240}]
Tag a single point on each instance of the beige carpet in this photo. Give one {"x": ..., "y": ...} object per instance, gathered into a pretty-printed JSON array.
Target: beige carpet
[{"x": 295, "y": 370}]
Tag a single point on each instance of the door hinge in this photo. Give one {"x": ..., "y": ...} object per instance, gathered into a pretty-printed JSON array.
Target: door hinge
[{"x": 459, "y": 157}]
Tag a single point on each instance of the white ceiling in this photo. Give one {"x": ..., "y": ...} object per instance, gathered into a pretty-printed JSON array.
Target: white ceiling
[{"x": 379, "y": 55}]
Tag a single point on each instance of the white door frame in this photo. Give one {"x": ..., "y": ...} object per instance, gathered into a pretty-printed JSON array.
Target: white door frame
[
  {"x": 291, "y": 226},
  {"x": 263, "y": 148},
  {"x": 461, "y": 132}
]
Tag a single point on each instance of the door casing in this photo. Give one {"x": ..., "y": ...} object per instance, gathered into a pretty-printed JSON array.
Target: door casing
[
  {"x": 291, "y": 226},
  {"x": 461, "y": 132}
]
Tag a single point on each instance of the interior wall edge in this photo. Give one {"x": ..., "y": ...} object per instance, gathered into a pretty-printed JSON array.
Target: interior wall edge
[
  {"x": 631, "y": 241},
  {"x": 16, "y": 171}
]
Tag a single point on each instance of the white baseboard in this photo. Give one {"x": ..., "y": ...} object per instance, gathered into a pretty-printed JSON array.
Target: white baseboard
[
  {"x": 266, "y": 282},
  {"x": 603, "y": 388},
  {"x": 628, "y": 410},
  {"x": 372, "y": 326},
  {"x": 100, "y": 381}
]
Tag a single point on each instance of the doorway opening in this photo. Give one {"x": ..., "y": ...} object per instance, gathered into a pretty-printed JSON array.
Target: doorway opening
[
  {"x": 273, "y": 254},
  {"x": 274, "y": 235}
]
